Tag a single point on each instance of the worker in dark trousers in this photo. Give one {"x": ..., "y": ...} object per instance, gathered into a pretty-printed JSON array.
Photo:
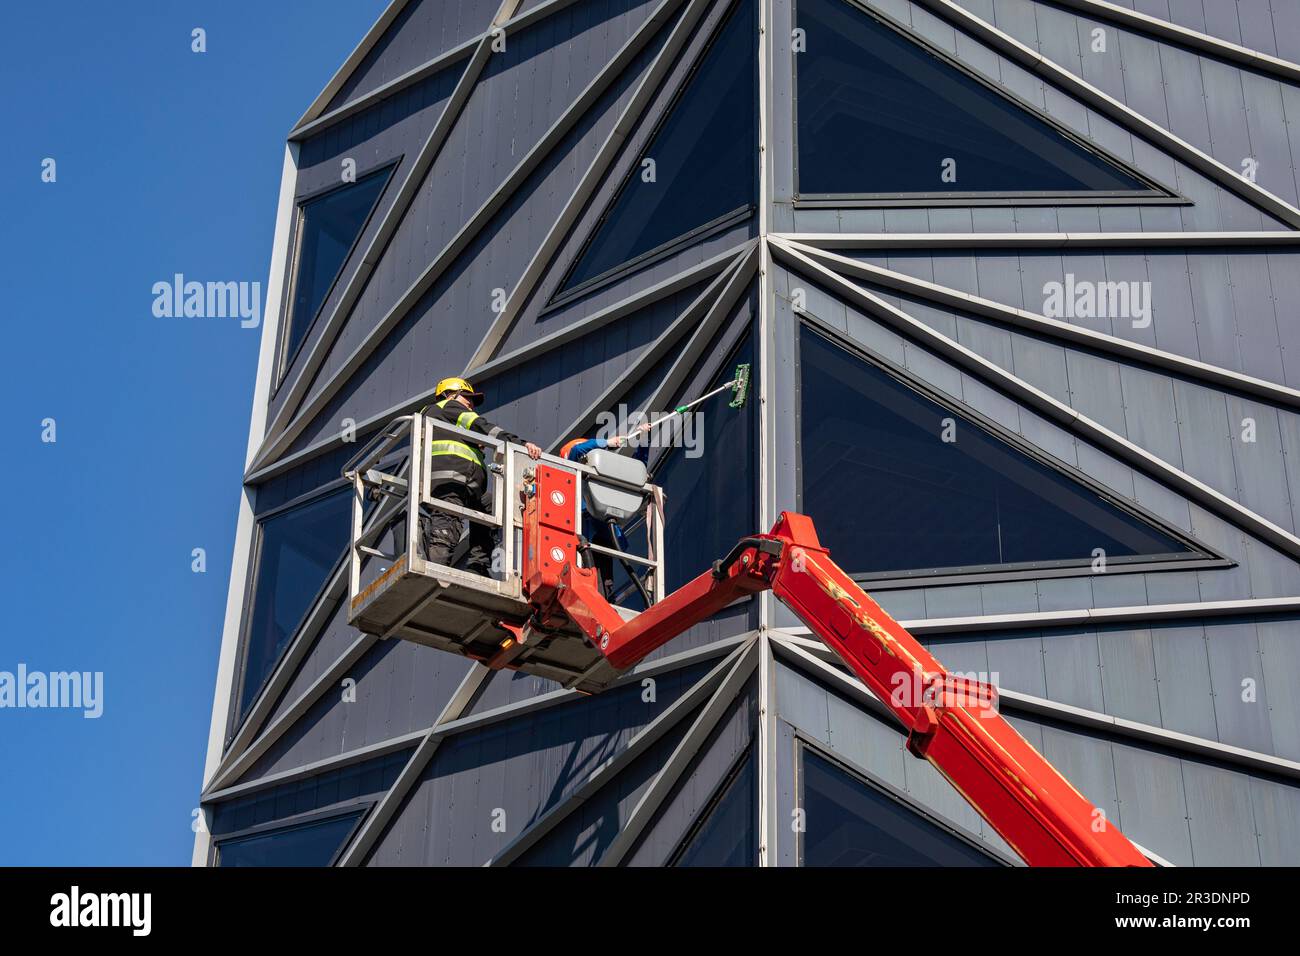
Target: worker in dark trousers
[{"x": 459, "y": 475}]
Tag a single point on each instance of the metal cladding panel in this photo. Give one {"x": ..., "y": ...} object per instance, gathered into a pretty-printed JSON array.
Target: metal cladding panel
[
  {"x": 1280, "y": 662},
  {"x": 1236, "y": 674},
  {"x": 483, "y": 788},
  {"x": 1153, "y": 802},
  {"x": 699, "y": 784},
  {"x": 1220, "y": 816},
  {"x": 423, "y": 30},
  {"x": 1128, "y": 673},
  {"x": 1277, "y": 821},
  {"x": 1185, "y": 692},
  {"x": 1073, "y": 666},
  {"x": 399, "y": 688}
]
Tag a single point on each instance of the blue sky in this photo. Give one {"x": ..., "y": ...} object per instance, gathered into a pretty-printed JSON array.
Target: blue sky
[{"x": 167, "y": 161}]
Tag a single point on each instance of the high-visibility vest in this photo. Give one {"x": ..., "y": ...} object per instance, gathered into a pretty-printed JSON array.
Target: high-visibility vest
[
  {"x": 569, "y": 446},
  {"x": 458, "y": 449}
]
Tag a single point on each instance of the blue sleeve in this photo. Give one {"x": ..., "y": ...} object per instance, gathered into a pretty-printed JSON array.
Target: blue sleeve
[{"x": 579, "y": 451}]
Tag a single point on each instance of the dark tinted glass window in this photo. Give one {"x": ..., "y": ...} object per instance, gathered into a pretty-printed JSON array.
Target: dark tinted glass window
[
  {"x": 878, "y": 113},
  {"x": 709, "y": 483},
  {"x": 889, "y": 493},
  {"x": 850, "y": 823},
  {"x": 299, "y": 549},
  {"x": 328, "y": 227},
  {"x": 704, "y": 156},
  {"x": 729, "y": 834},
  {"x": 312, "y": 844}
]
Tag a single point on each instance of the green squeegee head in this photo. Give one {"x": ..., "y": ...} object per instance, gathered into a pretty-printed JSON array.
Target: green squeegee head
[{"x": 740, "y": 387}]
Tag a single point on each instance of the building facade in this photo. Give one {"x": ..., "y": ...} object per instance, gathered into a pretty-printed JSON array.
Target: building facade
[{"x": 1018, "y": 283}]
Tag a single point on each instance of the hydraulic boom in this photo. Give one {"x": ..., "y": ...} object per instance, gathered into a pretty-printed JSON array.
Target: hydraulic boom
[{"x": 951, "y": 722}]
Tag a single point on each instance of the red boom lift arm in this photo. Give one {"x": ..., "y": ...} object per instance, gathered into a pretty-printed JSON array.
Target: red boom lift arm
[{"x": 951, "y": 722}]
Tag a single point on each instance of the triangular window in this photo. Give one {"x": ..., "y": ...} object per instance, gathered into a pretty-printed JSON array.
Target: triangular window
[
  {"x": 879, "y": 114},
  {"x": 328, "y": 226},
  {"x": 309, "y": 844},
  {"x": 902, "y": 485},
  {"x": 848, "y": 822},
  {"x": 699, "y": 170}
]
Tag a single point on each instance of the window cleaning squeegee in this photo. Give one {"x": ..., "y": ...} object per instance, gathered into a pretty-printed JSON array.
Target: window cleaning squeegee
[{"x": 739, "y": 387}]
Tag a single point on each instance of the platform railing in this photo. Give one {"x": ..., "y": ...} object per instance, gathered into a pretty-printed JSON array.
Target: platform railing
[{"x": 407, "y": 442}]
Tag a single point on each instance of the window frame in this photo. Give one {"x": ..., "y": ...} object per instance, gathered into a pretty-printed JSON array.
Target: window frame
[
  {"x": 285, "y": 357},
  {"x": 361, "y": 809},
  {"x": 563, "y": 296},
  {"x": 1155, "y": 194},
  {"x": 803, "y": 743},
  {"x": 237, "y": 718},
  {"x": 715, "y": 800},
  {"x": 1200, "y": 557}
]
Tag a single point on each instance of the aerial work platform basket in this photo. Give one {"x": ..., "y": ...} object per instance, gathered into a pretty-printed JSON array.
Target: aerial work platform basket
[{"x": 395, "y": 592}]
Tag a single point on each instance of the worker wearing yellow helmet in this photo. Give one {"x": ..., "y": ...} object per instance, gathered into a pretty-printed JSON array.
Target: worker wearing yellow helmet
[{"x": 459, "y": 475}]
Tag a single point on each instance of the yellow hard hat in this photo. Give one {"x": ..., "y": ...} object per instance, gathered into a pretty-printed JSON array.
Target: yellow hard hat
[{"x": 457, "y": 385}]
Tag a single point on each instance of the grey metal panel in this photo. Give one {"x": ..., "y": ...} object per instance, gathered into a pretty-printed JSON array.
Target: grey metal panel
[
  {"x": 1269, "y": 135},
  {"x": 952, "y": 601},
  {"x": 1087, "y": 763},
  {"x": 1018, "y": 662},
  {"x": 1149, "y": 413},
  {"x": 1277, "y": 820},
  {"x": 966, "y": 655},
  {"x": 1260, "y": 465},
  {"x": 1183, "y": 671},
  {"x": 1257, "y": 322},
  {"x": 420, "y": 32},
  {"x": 1236, "y": 674},
  {"x": 1095, "y": 388},
  {"x": 1128, "y": 667},
  {"x": 1152, "y": 802},
  {"x": 1073, "y": 666},
  {"x": 1279, "y": 649},
  {"x": 1203, "y": 436},
  {"x": 1220, "y": 816}
]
